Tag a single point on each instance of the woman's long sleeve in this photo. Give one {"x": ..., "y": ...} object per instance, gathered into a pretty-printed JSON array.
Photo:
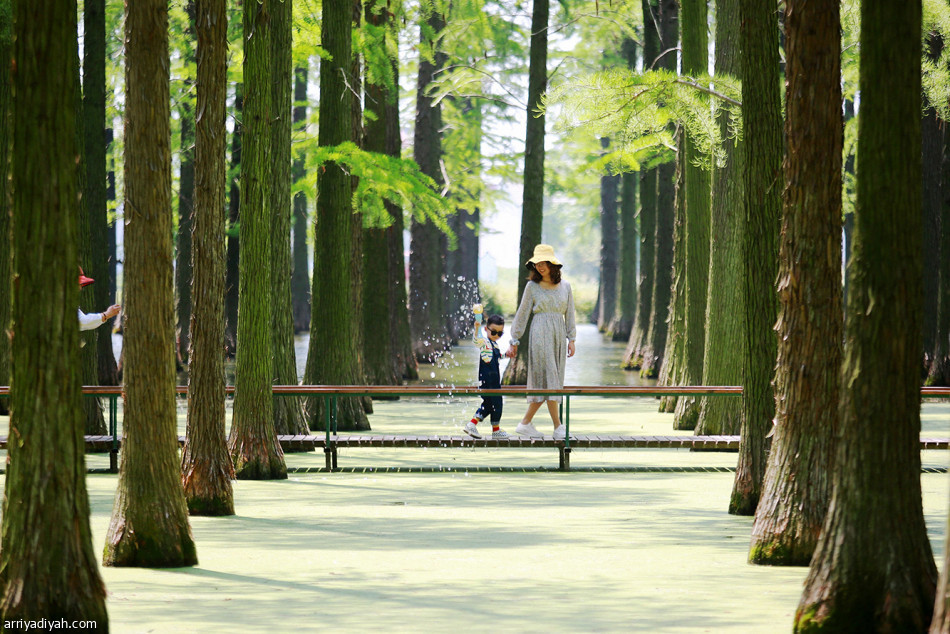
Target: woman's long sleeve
[
  {"x": 569, "y": 315},
  {"x": 90, "y": 321},
  {"x": 524, "y": 312}
]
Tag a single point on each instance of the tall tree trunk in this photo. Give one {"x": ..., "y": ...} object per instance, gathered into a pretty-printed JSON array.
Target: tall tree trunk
[
  {"x": 94, "y": 195},
  {"x": 665, "y": 20},
  {"x": 288, "y": 410},
  {"x": 89, "y": 362},
  {"x": 797, "y": 481},
  {"x": 724, "y": 356},
  {"x": 426, "y": 252},
  {"x": 334, "y": 332},
  {"x": 609, "y": 245},
  {"x": 873, "y": 569},
  {"x": 940, "y": 368},
  {"x": 149, "y": 525},
  {"x": 206, "y": 467},
  {"x": 6, "y": 243},
  {"x": 626, "y": 315},
  {"x": 637, "y": 343},
  {"x": 932, "y": 131},
  {"x": 762, "y": 179},
  {"x": 697, "y": 199},
  {"x": 253, "y": 441},
  {"x": 47, "y": 564},
  {"x": 378, "y": 323},
  {"x": 673, "y": 369},
  {"x": 403, "y": 359},
  {"x": 232, "y": 281},
  {"x": 186, "y": 204},
  {"x": 300, "y": 278},
  {"x": 532, "y": 204}
]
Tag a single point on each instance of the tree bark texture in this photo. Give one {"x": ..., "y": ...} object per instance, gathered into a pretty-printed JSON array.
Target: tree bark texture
[
  {"x": 637, "y": 343},
  {"x": 873, "y": 569},
  {"x": 232, "y": 280},
  {"x": 762, "y": 207},
  {"x": 94, "y": 194},
  {"x": 426, "y": 256},
  {"x": 378, "y": 323},
  {"x": 206, "y": 467},
  {"x": 149, "y": 525},
  {"x": 288, "y": 410},
  {"x": 333, "y": 357},
  {"x": 798, "y": 477},
  {"x": 673, "y": 370},
  {"x": 697, "y": 200},
  {"x": 532, "y": 203},
  {"x": 253, "y": 441},
  {"x": 52, "y": 572},
  {"x": 6, "y": 227},
  {"x": 300, "y": 277},
  {"x": 666, "y": 19},
  {"x": 609, "y": 245},
  {"x": 89, "y": 362},
  {"x": 932, "y": 151},
  {"x": 724, "y": 356},
  {"x": 940, "y": 367},
  {"x": 186, "y": 205}
]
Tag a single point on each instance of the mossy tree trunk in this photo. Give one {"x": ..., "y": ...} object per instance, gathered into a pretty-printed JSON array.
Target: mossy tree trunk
[
  {"x": 637, "y": 342},
  {"x": 300, "y": 277},
  {"x": 430, "y": 337},
  {"x": 693, "y": 27},
  {"x": 253, "y": 444},
  {"x": 288, "y": 410},
  {"x": 873, "y": 569},
  {"x": 47, "y": 561},
  {"x": 532, "y": 202},
  {"x": 231, "y": 282},
  {"x": 333, "y": 357},
  {"x": 149, "y": 525},
  {"x": 206, "y": 467},
  {"x": 762, "y": 181},
  {"x": 609, "y": 244},
  {"x": 6, "y": 244},
  {"x": 797, "y": 483},
  {"x": 664, "y": 26},
  {"x": 724, "y": 356},
  {"x": 94, "y": 192}
]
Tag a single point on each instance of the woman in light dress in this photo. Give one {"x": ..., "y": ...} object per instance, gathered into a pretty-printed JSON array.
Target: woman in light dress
[{"x": 549, "y": 302}]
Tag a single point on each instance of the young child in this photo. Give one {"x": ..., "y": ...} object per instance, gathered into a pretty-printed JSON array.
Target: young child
[{"x": 489, "y": 375}]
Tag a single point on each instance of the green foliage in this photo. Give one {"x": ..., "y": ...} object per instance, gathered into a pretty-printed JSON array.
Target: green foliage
[
  {"x": 382, "y": 178},
  {"x": 636, "y": 111}
]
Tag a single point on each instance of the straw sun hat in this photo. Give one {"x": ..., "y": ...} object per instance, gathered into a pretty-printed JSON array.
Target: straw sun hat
[{"x": 543, "y": 253}]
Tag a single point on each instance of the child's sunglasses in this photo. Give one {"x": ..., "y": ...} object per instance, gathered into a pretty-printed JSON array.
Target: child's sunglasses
[{"x": 497, "y": 333}]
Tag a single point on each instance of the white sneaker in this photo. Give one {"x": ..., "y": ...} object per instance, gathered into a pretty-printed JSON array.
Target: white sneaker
[
  {"x": 501, "y": 434},
  {"x": 560, "y": 433},
  {"x": 528, "y": 430},
  {"x": 471, "y": 430}
]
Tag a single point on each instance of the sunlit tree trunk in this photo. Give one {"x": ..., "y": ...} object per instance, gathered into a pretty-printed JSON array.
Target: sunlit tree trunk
[
  {"x": 149, "y": 525},
  {"x": 724, "y": 356},
  {"x": 873, "y": 569},
  {"x": 626, "y": 315},
  {"x": 673, "y": 370},
  {"x": 798, "y": 478},
  {"x": 697, "y": 198},
  {"x": 186, "y": 197},
  {"x": 47, "y": 564},
  {"x": 762, "y": 179},
  {"x": 206, "y": 468},
  {"x": 609, "y": 245},
  {"x": 253, "y": 444},
  {"x": 288, "y": 410}
]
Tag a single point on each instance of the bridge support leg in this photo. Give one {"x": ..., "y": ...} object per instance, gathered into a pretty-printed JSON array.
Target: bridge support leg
[
  {"x": 330, "y": 454},
  {"x": 565, "y": 458}
]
